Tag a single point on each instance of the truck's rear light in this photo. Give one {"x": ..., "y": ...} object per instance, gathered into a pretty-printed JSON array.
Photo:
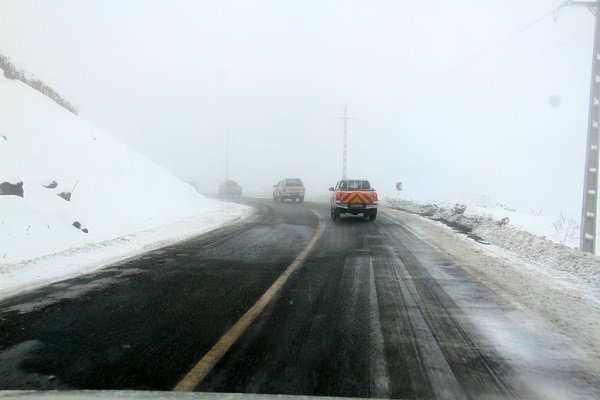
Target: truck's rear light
[
  {"x": 338, "y": 195},
  {"x": 375, "y": 198}
]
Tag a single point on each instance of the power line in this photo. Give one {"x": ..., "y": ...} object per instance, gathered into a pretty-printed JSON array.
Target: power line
[
  {"x": 494, "y": 46},
  {"x": 345, "y": 118},
  {"x": 490, "y": 78},
  {"x": 475, "y": 57},
  {"x": 565, "y": 42},
  {"x": 493, "y": 76}
]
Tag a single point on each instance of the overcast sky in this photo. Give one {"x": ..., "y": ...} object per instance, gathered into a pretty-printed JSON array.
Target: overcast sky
[{"x": 474, "y": 97}]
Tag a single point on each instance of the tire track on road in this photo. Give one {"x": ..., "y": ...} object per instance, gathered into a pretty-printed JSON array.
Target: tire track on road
[{"x": 454, "y": 355}]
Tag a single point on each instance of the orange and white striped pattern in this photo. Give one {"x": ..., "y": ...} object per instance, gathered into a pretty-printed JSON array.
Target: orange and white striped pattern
[{"x": 355, "y": 197}]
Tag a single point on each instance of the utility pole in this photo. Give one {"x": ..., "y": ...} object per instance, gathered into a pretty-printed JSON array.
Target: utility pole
[
  {"x": 345, "y": 118},
  {"x": 587, "y": 239},
  {"x": 589, "y": 206},
  {"x": 226, "y": 157}
]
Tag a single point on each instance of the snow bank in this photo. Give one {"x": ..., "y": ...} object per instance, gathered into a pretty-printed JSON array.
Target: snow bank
[
  {"x": 551, "y": 291},
  {"x": 545, "y": 253},
  {"x": 546, "y": 243},
  {"x": 82, "y": 189}
]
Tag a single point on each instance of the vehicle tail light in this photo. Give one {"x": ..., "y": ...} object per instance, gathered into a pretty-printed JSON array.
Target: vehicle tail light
[
  {"x": 375, "y": 198},
  {"x": 338, "y": 195}
]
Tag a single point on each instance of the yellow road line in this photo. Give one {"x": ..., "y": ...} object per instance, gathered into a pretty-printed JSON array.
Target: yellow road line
[{"x": 216, "y": 353}]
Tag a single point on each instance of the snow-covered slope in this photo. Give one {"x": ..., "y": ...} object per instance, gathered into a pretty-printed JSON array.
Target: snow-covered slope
[{"x": 114, "y": 191}]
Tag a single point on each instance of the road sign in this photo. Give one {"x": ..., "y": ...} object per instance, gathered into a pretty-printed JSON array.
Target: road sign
[{"x": 399, "y": 186}]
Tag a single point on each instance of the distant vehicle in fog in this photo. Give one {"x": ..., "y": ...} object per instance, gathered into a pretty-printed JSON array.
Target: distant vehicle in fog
[
  {"x": 230, "y": 189},
  {"x": 292, "y": 189}
]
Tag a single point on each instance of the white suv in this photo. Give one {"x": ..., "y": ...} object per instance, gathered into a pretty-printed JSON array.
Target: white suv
[{"x": 288, "y": 189}]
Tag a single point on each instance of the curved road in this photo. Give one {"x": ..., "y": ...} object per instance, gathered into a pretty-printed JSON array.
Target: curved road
[{"x": 370, "y": 311}]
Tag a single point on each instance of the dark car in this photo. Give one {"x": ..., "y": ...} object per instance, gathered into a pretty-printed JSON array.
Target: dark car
[{"x": 230, "y": 189}]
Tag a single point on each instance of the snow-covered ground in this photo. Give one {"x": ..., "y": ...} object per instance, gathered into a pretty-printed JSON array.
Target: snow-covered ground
[
  {"x": 87, "y": 199},
  {"x": 559, "y": 227},
  {"x": 550, "y": 279},
  {"x": 532, "y": 237}
]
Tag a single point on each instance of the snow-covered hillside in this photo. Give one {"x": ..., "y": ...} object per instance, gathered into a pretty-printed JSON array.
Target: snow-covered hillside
[{"x": 80, "y": 191}]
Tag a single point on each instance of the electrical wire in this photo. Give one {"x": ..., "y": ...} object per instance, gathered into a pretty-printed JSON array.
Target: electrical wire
[
  {"x": 456, "y": 67},
  {"x": 493, "y": 77},
  {"x": 532, "y": 59}
]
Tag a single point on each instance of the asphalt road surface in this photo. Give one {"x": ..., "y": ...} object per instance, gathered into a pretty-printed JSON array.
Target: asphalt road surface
[{"x": 350, "y": 308}]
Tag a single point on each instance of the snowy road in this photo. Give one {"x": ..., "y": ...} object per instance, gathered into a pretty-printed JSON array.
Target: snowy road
[{"x": 372, "y": 311}]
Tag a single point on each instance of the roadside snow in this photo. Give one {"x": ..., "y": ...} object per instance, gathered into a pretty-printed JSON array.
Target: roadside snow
[
  {"x": 87, "y": 199},
  {"x": 538, "y": 239},
  {"x": 551, "y": 281},
  {"x": 569, "y": 266}
]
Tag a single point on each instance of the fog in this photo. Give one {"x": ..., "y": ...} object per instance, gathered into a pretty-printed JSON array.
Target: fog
[{"x": 474, "y": 97}]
